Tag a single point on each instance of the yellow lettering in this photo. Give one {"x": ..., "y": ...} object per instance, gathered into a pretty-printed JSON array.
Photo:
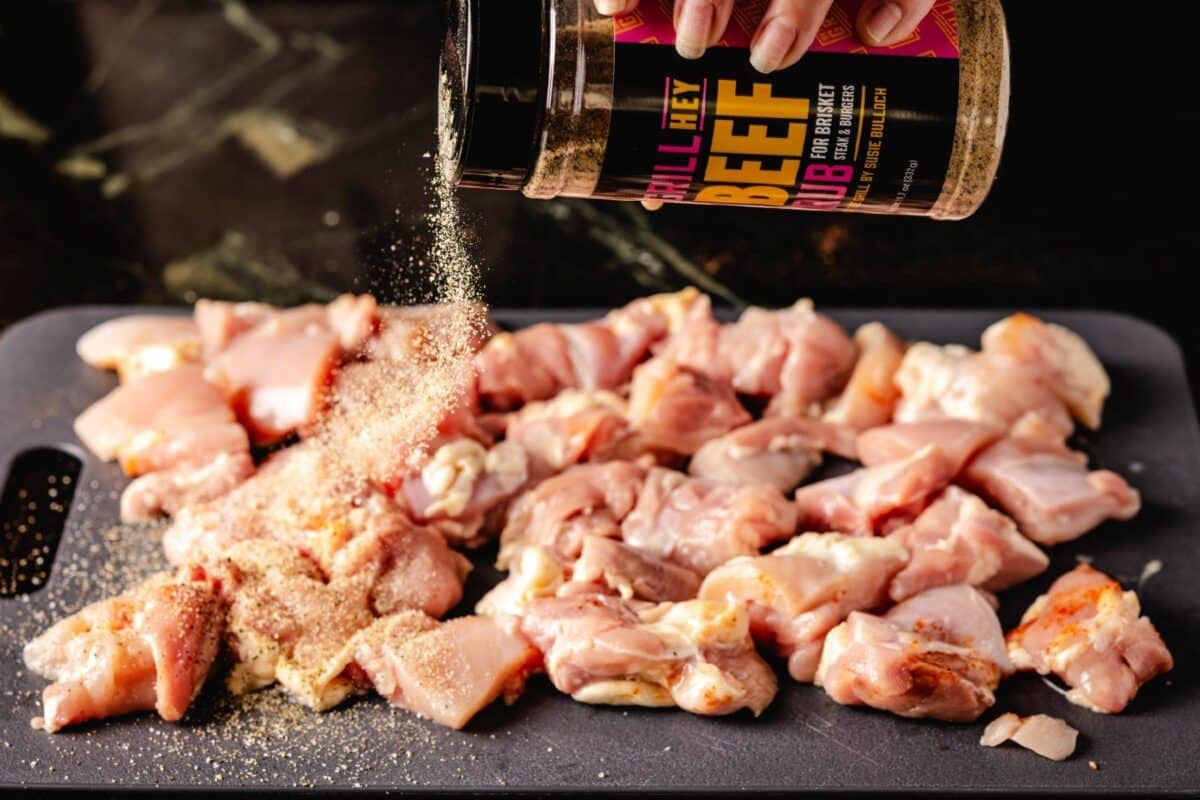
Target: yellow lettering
[
  {"x": 683, "y": 122},
  {"x": 756, "y": 140},
  {"x": 743, "y": 196},
  {"x": 759, "y": 103},
  {"x": 685, "y": 103},
  {"x": 683, "y": 87},
  {"x": 751, "y": 171}
]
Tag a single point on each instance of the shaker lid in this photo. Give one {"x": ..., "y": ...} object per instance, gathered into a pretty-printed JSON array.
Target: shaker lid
[{"x": 492, "y": 90}]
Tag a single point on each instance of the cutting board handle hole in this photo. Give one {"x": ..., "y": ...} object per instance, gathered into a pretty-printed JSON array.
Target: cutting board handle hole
[{"x": 38, "y": 488}]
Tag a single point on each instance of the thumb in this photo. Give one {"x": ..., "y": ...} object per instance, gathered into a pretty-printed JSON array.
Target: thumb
[{"x": 885, "y": 22}]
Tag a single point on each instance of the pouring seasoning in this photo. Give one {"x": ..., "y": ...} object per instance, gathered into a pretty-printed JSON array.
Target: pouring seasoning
[{"x": 553, "y": 99}]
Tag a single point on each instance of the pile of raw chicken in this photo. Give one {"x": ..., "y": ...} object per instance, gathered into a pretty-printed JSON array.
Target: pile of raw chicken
[{"x": 644, "y": 474}]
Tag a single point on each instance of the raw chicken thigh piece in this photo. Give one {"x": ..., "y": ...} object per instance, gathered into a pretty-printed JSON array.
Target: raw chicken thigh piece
[
  {"x": 141, "y": 344},
  {"x": 779, "y": 452},
  {"x": 407, "y": 566},
  {"x": 277, "y": 365},
  {"x": 875, "y": 499},
  {"x": 411, "y": 333},
  {"x": 385, "y": 417},
  {"x": 632, "y": 573},
  {"x": 355, "y": 320},
  {"x": 1089, "y": 632},
  {"x": 1074, "y": 373},
  {"x": 688, "y": 522},
  {"x": 606, "y": 361},
  {"x": 349, "y": 529},
  {"x": 960, "y": 615},
  {"x": 559, "y": 512},
  {"x": 871, "y": 393},
  {"x": 700, "y": 525},
  {"x": 534, "y": 571},
  {"x": 939, "y": 654},
  {"x": 660, "y": 317},
  {"x": 538, "y": 362},
  {"x": 169, "y": 491},
  {"x": 277, "y": 375},
  {"x": 957, "y": 440},
  {"x": 795, "y": 595},
  {"x": 287, "y": 625},
  {"x": 957, "y": 383},
  {"x": 575, "y": 426},
  {"x": 794, "y": 356},
  {"x": 605, "y": 566},
  {"x": 178, "y": 432},
  {"x": 1048, "y": 489},
  {"x": 352, "y": 319},
  {"x": 675, "y": 408},
  {"x": 958, "y": 539},
  {"x": 526, "y": 365},
  {"x": 162, "y": 420},
  {"x": 221, "y": 322},
  {"x": 150, "y": 648},
  {"x": 445, "y": 672},
  {"x": 461, "y": 483},
  {"x": 696, "y": 655}
]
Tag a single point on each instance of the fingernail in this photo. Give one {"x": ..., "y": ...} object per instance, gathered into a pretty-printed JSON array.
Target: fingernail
[
  {"x": 882, "y": 22},
  {"x": 692, "y": 30},
  {"x": 772, "y": 45},
  {"x": 610, "y": 7}
]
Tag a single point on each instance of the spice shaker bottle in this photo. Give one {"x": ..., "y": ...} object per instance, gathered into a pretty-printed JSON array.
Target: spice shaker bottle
[{"x": 550, "y": 98}]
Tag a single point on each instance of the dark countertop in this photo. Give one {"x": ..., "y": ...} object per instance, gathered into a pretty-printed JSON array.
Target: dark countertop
[{"x": 130, "y": 175}]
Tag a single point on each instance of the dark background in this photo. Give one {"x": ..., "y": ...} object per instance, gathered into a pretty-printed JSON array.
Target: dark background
[{"x": 140, "y": 179}]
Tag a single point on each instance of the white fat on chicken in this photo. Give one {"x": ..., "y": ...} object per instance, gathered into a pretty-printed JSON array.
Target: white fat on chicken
[
  {"x": 800, "y": 591},
  {"x": 452, "y": 473},
  {"x": 141, "y": 344},
  {"x": 1049, "y": 737},
  {"x": 697, "y": 655},
  {"x": 604, "y": 565},
  {"x": 534, "y": 573}
]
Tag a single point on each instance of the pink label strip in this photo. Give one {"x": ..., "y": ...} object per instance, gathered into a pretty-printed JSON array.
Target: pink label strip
[{"x": 936, "y": 37}]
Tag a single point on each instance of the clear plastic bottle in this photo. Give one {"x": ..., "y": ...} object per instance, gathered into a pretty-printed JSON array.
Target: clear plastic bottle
[{"x": 550, "y": 98}]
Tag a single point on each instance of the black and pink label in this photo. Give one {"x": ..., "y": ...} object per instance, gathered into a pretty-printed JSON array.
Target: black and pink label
[{"x": 847, "y": 128}]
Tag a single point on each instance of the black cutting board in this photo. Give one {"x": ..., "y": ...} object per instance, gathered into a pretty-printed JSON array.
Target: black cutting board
[{"x": 546, "y": 742}]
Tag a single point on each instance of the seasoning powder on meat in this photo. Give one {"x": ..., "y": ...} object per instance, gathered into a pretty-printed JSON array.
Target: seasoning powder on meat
[{"x": 384, "y": 412}]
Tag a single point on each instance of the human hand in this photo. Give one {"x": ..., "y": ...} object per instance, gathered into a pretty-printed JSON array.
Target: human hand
[{"x": 787, "y": 28}]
